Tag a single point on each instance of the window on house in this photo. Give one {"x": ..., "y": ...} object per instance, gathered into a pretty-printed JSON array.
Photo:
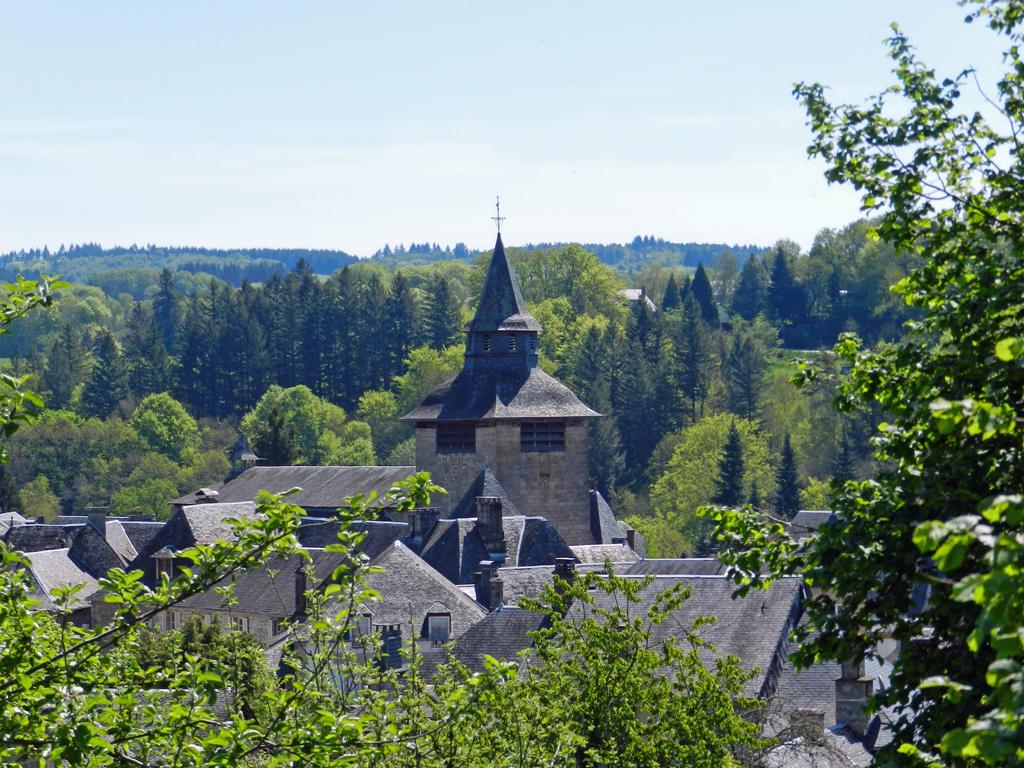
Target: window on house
[
  {"x": 241, "y": 623},
  {"x": 171, "y": 620},
  {"x": 511, "y": 342},
  {"x": 542, "y": 436},
  {"x": 439, "y": 627},
  {"x": 280, "y": 626},
  {"x": 456, "y": 438}
]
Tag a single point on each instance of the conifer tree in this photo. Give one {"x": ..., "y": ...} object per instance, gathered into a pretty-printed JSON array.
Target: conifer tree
[
  {"x": 444, "y": 324},
  {"x": 745, "y": 367},
  {"x": 844, "y": 465},
  {"x": 693, "y": 357},
  {"x": 607, "y": 462},
  {"x": 66, "y": 367},
  {"x": 751, "y": 294},
  {"x": 146, "y": 357},
  {"x": 729, "y": 488},
  {"x": 10, "y": 499},
  {"x": 107, "y": 385},
  {"x": 755, "y": 496},
  {"x": 277, "y": 441},
  {"x": 787, "y": 483},
  {"x": 167, "y": 309},
  {"x": 671, "y": 299},
  {"x": 702, "y": 291},
  {"x": 786, "y": 297}
]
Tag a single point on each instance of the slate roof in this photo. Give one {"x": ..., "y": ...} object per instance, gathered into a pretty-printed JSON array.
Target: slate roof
[
  {"x": 10, "y": 519},
  {"x": 635, "y": 294},
  {"x": 530, "y": 581},
  {"x": 455, "y": 547},
  {"x": 601, "y": 553},
  {"x": 318, "y": 532},
  {"x": 93, "y": 552},
  {"x": 409, "y": 589},
  {"x": 755, "y": 628},
  {"x": 205, "y": 522},
  {"x": 829, "y": 750},
  {"x": 603, "y": 525},
  {"x": 267, "y": 589},
  {"x": 54, "y": 568},
  {"x": 242, "y": 452},
  {"x": 36, "y": 537},
  {"x": 501, "y": 306},
  {"x": 485, "y": 484},
  {"x": 673, "y": 566},
  {"x": 121, "y": 542},
  {"x": 322, "y": 487},
  {"x": 492, "y": 393},
  {"x": 502, "y": 634},
  {"x": 807, "y": 521},
  {"x": 140, "y": 533}
]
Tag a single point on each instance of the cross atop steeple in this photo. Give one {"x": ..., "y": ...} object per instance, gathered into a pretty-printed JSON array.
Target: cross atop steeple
[{"x": 497, "y": 218}]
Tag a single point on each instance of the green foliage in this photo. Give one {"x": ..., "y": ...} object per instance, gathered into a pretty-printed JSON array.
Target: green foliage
[
  {"x": 787, "y": 483},
  {"x": 164, "y": 424},
  {"x": 690, "y": 479},
  {"x": 729, "y": 489},
  {"x": 570, "y": 271},
  {"x": 107, "y": 385},
  {"x": 943, "y": 513},
  {"x": 37, "y": 500}
]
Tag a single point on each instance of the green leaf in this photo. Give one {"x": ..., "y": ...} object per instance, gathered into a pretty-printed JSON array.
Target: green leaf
[{"x": 1009, "y": 349}]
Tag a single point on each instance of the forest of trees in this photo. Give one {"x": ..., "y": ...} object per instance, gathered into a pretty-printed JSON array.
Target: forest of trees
[{"x": 352, "y": 352}]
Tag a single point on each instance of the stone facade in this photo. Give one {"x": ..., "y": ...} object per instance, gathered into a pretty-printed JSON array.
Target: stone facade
[{"x": 550, "y": 484}]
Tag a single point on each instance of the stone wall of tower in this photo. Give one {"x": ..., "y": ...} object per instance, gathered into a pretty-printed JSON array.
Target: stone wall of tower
[{"x": 549, "y": 484}]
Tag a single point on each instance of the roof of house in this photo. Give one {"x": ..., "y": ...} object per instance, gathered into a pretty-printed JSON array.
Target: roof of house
[
  {"x": 53, "y": 568},
  {"x": 10, "y": 519},
  {"x": 495, "y": 393},
  {"x": 267, "y": 589},
  {"x": 455, "y": 547},
  {"x": 206, "y": 522},
  {"x": 322, "y": 487},
  {"x": 503, "y": 633},
  {"x": 501, "y": 306},
  {"x": 92, "y": 551},
  {"x": 35, "y": 537},
  {"x": 485, "y": 484},
  {"x": 530, "y": 581},
  {"x": 410, "y": 589},
  {"x": 636, "y": 294},
  {"x": 602, "y": 553},
  {"x": 121, "y": 542},
  {"x": 829, "y": 749},
  {"x": 603, "y": 525},
  {"x": 754, "y": 628},
  {"x": 673, "y": 566},
  {"x": 807, "y": 521},
  {"x": 140, "y": 532},
  {"x": 319, "y": 532}
]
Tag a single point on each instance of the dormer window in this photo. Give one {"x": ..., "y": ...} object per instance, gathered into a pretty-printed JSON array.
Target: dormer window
[
  {"x": 456, "y": 438},
  {"x": 542, "y": 436},
  {"x": 439, "y": 627}
]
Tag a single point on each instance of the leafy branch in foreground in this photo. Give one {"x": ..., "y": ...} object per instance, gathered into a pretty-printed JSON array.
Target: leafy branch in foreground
[{"x": 930, "y": 553}]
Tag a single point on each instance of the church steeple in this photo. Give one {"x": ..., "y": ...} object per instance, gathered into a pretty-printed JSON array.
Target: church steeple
[{"x": 502, "y": 328}]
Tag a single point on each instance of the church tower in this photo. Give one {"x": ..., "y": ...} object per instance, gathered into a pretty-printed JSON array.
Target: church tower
[{"x": 504, "y": 413}]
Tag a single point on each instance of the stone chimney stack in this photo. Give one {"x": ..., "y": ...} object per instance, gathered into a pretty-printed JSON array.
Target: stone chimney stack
[
  {"x": 483, "y": 578},
  {"x": 421, "y": 523},
  {"x": 497, "y": 592},
  {"x": 488, "y": 523},
  {"x": 301, "y": 586},
  {"x": 853, "y": 690},
  {"x": 631, "y": 538},
  {"x": 565, "y": 569}
]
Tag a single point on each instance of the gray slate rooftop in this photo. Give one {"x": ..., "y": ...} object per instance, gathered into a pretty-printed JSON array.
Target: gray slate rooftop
[
  {"x": 205, "y": 522},
  {"x": 409, "y": 589},
  {"x": 54, "y": 568},
  {"x": 36, "y": 537},
  {"x": 521, "y": 393},
  {"x": 673, "y": 566},
  {"x": 602, "y": 553},
  {"x": 318, "y": 532},
  {"x": 455, "y": 547},
  {"x": 501, "y": 306},
  {"x": 323, "y": 488},
  {"x": 501, "y": 634},
  {"x": 485, "y": 484}
]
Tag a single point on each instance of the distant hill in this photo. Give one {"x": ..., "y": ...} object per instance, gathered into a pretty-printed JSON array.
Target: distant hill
[
  {"x": 628, "y": 258},
  {"x": 82, "y": 262}
]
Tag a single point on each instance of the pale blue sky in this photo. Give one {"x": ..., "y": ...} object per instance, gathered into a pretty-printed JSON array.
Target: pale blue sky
[{"x": 348, "y": 125}]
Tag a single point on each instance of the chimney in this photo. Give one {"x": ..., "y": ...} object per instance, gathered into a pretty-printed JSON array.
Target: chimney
[
  {"x": 486, "y": 571},
  {"x": 300, "y": 590},
  {"x": 853, "y": 690},
  {"x": 595, "y": 517},
  {"x": 488, "y": 523},
  {"x": 565, "y": 569},
  {"x": 497, "y": 592},
  {"x": 421, "y": 523},
  {"x": 631, "y": 538},
  {"x": 97, "y": 520}
]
